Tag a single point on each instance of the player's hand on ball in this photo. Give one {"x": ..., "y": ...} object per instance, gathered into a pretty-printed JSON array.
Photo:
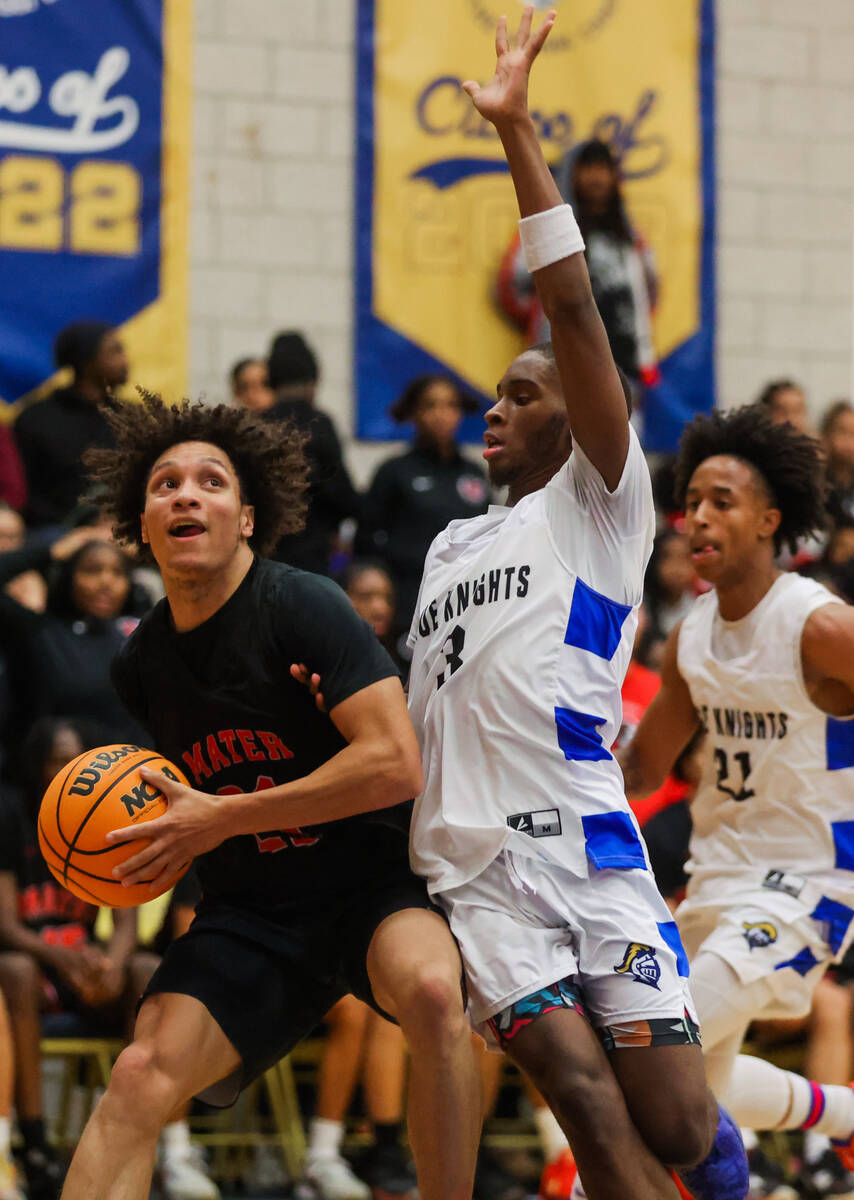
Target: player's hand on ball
[
  {"x": 192, "y": 826},
  {"x": 505, "y": 97},
  {"x": 301, "y": 674}
]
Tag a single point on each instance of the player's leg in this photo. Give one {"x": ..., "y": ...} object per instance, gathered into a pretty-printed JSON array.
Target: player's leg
[
  {"x": 758, "y": 1094},
  {"x": 386, "y": 1166},
  {"x": 562, "y": 1055},
  {"x": 415, "y": 974},
  {"x": 152, "y": 1077}
]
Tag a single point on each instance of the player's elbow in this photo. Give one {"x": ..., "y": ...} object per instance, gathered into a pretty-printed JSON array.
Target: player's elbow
[
  {"x": 569, "y": 310},
  {"x": 402, "y": 775}
]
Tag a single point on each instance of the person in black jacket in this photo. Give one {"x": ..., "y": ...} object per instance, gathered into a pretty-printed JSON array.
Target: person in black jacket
[
  {"x": 293, "y": 375},
  {"x": 53, "y": 433},
  {"x": 414, "y": 495},
  {"x": 59, "y": 660}
]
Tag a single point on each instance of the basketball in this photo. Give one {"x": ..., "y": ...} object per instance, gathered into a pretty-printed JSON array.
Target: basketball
[{"x": 97, "y": 792}]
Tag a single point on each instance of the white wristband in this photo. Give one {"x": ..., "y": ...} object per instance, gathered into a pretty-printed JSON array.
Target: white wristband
[{"x": 549, "y": 236}]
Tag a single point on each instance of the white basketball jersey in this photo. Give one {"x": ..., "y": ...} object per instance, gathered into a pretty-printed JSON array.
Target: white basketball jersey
[
  {"x": 522, "y": 636},
  {"x": 777, "y": 787}
]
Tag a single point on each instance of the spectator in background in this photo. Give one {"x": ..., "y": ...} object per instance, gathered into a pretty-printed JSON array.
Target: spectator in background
[
  {"x": 60, "y": 659},
  {"x": 621, "y": 266},
  {"x": 250, "y": 385},
  {"x": 837, "y": 434},
  {"x": 414, "y": 495},
  {"x": 784, "y": 401},
  {"x": 370, "y": 590},
  {"x": 53, "y": 433},
  {"x": 669, "y": 587},
  {"x": 13, "y": 481},
  {"x": 293, "y": 376}
]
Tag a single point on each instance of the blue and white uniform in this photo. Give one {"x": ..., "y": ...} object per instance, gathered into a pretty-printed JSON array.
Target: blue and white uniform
[
  {"x": 772, "y": 852},
  {"x": 521, "y": 640}
]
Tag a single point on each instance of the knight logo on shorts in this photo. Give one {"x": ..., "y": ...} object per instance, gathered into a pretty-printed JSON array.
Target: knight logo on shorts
[
  {"x": 641, "y": 963},
  {"x": 759, "y": 933},
  {"x": 545, "y": 823}
]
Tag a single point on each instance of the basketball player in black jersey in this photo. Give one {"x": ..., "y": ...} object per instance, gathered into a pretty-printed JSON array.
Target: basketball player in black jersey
[{"x": 298, "y": 820}]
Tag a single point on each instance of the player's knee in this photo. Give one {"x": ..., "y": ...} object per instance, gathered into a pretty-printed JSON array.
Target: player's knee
[
  {"x": 582, "y": 1101},
  {"x": 20, "y": 980},
  {"x": 142, "y": 1093},
  {"x": 832, "y": 1007},
  {"x": 432, "y": 1007},
  {"x": 681, "y": 1135}
]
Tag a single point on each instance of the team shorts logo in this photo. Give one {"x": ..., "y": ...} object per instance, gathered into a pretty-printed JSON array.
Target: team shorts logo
[
  {"x": 759, "y": 934},
  {"x": 641, "y": 963}
]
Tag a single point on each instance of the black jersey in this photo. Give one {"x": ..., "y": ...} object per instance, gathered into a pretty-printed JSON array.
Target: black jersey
[{"x": 220, "y": 702}]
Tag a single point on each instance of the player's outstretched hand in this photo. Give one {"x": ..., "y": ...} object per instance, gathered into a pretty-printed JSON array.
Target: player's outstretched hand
[
  {"x": 505, "y": 97},
  {"x": 302, "y": 675},
  {"x": 192, "y": 826}
]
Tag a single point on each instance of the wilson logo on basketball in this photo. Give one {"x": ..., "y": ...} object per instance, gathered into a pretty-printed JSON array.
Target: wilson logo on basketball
[{"x": 88, "y": 779}]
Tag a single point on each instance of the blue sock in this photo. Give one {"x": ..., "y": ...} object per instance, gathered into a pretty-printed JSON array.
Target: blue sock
[{"x": 724, "y": 1174}]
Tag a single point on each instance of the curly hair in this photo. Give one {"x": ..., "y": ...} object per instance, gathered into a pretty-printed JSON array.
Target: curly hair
[
  {"x": 268, "y": 457},
  {"x": 787, "y": 462}
]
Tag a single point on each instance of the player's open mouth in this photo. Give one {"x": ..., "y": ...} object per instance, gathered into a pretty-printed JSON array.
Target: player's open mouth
[
  {"x": 704, "y": 552},
  {"x": 186, "y": 529},
  {"x": 493, "y": 446}
]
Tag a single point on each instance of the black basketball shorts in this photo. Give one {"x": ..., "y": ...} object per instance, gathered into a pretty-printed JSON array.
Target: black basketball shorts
[{"x": 268, "y": 980}]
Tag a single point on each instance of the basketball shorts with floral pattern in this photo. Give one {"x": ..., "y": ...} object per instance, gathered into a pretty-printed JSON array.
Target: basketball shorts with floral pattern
[{"x": 658, "y": 1031}]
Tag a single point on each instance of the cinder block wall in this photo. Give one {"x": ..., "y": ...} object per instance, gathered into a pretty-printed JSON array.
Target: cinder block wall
[{"x": 272, "y": 187}]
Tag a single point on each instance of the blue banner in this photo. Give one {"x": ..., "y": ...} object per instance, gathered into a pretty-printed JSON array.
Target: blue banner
[{"x": 85, "y": 231}]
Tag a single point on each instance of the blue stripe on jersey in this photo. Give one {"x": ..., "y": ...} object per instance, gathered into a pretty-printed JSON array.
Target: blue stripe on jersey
[
  {"x": 669, "y": 931},
  {"x": 840, "y": 744},
  {"x": 578, "y": 737},
  {"x": 803, "y": 962},
  {"x": 595, "y": 621},
  {"x": 843, "y": 840},
  {"x": 836, "y": 918},
  {"x": 611, "y": 841}
]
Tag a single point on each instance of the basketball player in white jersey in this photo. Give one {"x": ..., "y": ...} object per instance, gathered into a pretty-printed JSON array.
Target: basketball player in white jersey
[
  {"x": 521, "y": 639},
  {"x": 765, "y": 664}
]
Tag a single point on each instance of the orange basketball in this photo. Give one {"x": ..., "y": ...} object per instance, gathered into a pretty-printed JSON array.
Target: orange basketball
[{"x": 97, "y": 792}]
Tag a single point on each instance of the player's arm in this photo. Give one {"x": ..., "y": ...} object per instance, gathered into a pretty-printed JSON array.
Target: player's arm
[
  {"x": 827, "y": 647},
  {"x": 380, "y": 766},
  {"x": 591, "y": 386},
  {"x": 664, "y": 730}
]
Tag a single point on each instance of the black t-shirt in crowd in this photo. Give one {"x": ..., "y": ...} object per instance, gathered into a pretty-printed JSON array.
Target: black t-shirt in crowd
[
  {"x": 219, "y": 701},
  {"x": 43, "y": 905}
]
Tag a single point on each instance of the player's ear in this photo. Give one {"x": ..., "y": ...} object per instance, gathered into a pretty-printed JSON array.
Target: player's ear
[
  {"x": 769, "y": 523},
  {"x": 143, "y": 529},
  {"x": 247, "y": 521}
]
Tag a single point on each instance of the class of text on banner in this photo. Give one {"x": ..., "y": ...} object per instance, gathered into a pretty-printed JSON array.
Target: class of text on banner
[
  {"x": 94, "y": 152},
  {"x": 435, "y": 209}
]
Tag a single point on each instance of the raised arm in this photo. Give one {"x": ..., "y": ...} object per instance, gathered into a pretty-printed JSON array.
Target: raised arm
[
  {"x": 595, "y": 401},
  {"x": 665, "y": 729}
]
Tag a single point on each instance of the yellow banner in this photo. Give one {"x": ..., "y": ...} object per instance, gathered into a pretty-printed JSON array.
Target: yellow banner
[{"x": 438, "y": 205}]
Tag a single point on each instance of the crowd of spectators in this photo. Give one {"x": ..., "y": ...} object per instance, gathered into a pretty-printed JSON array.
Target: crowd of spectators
[{"x": 69, "y": 596}]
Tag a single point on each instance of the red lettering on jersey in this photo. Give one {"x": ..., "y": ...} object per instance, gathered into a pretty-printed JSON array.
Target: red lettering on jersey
[
  {"x": 274, "y": 745},
  {"x": 218, "y": 759},
  {"x": 276, "y": 839},
  {"x": 198, "y": 766},
  {"x": 227, "y": 737},
  {"x": 251, "y": 751}
]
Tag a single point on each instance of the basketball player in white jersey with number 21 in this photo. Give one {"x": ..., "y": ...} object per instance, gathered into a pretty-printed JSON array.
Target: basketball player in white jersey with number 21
[
  {"x": 521, "y": 639},
  {"x": 765, "y": 664}
]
